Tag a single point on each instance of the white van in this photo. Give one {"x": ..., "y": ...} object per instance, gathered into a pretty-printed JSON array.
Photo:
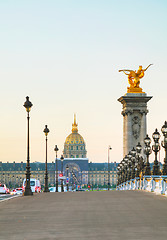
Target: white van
[{"x": 34, "y": 184}]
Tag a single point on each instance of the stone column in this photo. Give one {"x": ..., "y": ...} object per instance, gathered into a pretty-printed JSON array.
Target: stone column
[{"x": 134, "y": 119}]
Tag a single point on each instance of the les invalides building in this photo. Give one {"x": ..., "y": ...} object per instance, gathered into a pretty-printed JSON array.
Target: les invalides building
[
  {"x": 74, "y": 146},
  {"x": 75, "y": 164}
]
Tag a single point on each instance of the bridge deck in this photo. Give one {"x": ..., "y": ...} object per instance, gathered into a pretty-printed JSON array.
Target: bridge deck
[{"x": 85, "y": 215}]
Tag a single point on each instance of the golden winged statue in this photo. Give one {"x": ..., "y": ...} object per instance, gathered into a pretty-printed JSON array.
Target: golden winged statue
[{"x": 134, "y": 78}]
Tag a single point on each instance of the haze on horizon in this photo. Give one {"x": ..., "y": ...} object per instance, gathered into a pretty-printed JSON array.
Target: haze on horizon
[{"x": 65, "y": 55}]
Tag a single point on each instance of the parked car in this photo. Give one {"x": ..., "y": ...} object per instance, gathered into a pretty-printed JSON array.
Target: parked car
[
  {"x": 13, "y": 192},
  {"x": 3, "y": 188},
  {"x": 53, "y": 189},
  {"x": 7, "y": 191},
  {"x": 19, "y": 190},
  {"x": 34, "y": 184}
]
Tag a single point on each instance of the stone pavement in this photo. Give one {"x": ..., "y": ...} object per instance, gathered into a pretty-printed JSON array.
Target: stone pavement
[{"x": 114, "y": 215}]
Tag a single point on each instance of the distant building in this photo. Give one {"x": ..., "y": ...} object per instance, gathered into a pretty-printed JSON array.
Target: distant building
[
  {"x": 13, "y": 174},
  {"x": 98, "y": 174},
  {"x": 75, "y": 165}
]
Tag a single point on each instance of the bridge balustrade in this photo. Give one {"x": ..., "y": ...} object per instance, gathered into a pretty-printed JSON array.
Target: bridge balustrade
[{"x": 134, "y": 171}]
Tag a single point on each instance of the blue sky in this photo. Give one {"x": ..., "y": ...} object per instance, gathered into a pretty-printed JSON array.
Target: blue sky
[{"x": 65, "y": 55}]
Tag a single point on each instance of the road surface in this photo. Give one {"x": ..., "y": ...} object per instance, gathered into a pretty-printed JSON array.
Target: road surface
[{"x": 113, "y": 215}]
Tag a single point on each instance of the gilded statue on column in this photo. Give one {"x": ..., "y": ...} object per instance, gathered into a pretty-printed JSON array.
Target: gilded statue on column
[{"x": 134, "y": 79}]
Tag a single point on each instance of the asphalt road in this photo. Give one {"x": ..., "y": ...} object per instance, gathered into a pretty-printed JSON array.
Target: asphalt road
[
  {"x": 105, "y": 215},
  {"x": 4, "y": 197}
]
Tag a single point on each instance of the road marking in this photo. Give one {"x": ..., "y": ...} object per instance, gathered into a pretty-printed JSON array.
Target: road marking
[{"x": 2, "y": 200}]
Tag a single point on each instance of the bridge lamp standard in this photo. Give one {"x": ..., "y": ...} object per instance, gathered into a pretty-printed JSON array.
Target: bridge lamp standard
[
  {"x": 120, "y": 170},
  {"x": 56, "y": 150},
  {"x": 129, "y": 162},
  {"x": 118, "y": 174},
  {"x": 133, "y": 158},
  {"x": 164, "y": 145},
  {"x": 124, "y": 173},
  {"x": 62, "y": 158},
  {"x": 126, "y": 169},
  {"x": 156, "y": 148},
  {"x": 138, "y": 160},
  {"x": 46, "y": 189},
  {"x": 67, "y": 168},
  {"x": 28, "y": 191},
  {"x": 147, "y": 152},
  {"x": 125, "y": 166},
  {"x": 109, "y": 148}
]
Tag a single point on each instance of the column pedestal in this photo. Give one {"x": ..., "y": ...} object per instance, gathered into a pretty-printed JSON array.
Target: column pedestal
[{"x": 134, "y": 119}]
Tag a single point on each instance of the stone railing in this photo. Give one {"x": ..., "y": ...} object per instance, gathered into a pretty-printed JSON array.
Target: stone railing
[{"x": 152, "y": 183}]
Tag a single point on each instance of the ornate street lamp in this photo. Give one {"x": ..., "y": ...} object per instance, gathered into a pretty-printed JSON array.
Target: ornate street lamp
[
  {"x": 67, "y": 181},
  {"x": 129, "y": 156},
  {"x": 109, "y": 148},
  {"x": 56, "y": 150},
  {"x": 147, "y": 151},
  {"x": 126, "y": 168},
  {"x": 156, "y": 148},
  {"x": 62, "y": 158},
  {"x": 138, "y": 167},
  {"x": 123, "y": 171},
  {"x": 133, "y": 152},
  {"x": 46, "y": 189},
  {"x": 72, "y": 173},
  {"x": 118, "y": 174},
  {"x": 28, "y": 191},
  {"x": 164, "y": 145}
]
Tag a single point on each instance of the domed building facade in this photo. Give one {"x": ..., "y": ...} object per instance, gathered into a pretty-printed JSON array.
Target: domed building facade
[
  {"x": 75, "y": 163},
  {"x": 74, "y": 146}
]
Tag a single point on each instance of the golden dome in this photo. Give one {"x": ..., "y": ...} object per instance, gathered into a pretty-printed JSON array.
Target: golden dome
[{"x": 74, "y": 137}]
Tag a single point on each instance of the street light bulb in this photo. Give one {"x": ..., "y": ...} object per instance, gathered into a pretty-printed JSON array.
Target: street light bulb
[
  {"x": 147, "y": 140},
  {"x": 62, "y": 158},
  {"x": 138, "y": 147},
  {"x": 46, "y": 130},
  {"x": 133, "y": 151},
  {"x": 56, "y": 148},
  {"x": 156, "y": 135},
  {"x": 27, "y": 104},
  {"x": 164, "y": 129}
]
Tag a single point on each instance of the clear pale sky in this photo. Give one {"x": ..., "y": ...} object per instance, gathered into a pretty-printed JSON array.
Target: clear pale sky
[{"x": 65, "y": 55}]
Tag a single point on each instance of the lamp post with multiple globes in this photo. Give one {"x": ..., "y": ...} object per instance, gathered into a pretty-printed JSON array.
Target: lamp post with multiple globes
[
  {"x": 56, "y": 150},
  {"x": 28, "y": 191},
  {"x": 147, "y": 151},
  {"x": 156, "y": 148},
  {"x": 164, "y": 145},
  {"x": 46, "y": 189},
  {"x": 62, "y": 158},
  {"x": 109, "y": 148}
]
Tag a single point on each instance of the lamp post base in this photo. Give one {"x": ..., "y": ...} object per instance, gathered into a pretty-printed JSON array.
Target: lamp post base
[
  {"x": 57, "y": 188},
  {"x": 46, "y": 189},
  {"x": 27, "y": 192}
]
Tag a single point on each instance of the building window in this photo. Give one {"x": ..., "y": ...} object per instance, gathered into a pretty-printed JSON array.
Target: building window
[
  {"x": 77, "y": 147},
  {"x": 71, "y": 147}
]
